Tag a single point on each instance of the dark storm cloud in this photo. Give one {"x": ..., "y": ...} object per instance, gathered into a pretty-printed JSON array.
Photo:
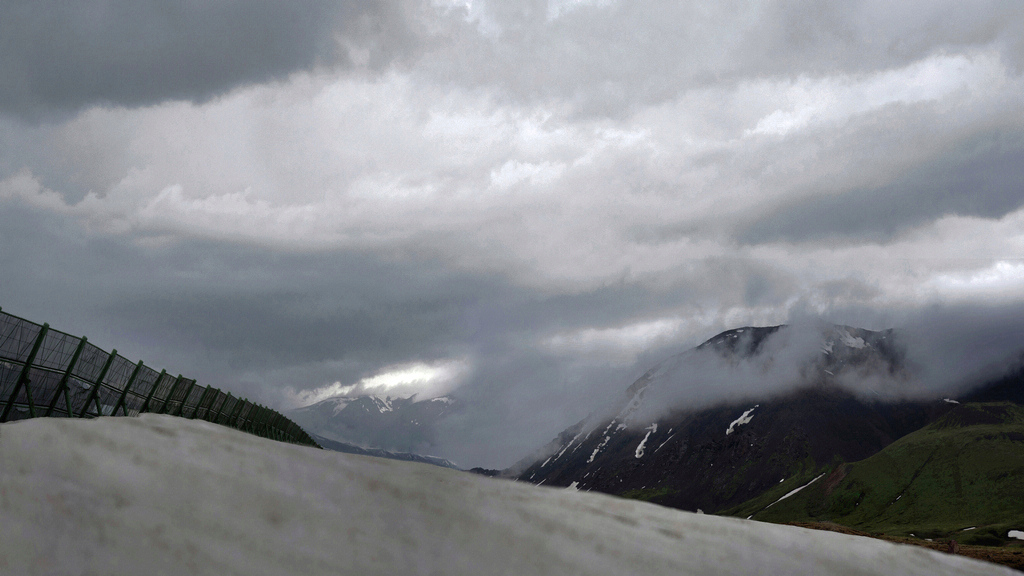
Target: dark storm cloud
[
  {"x": 982, "y": 176},
  {"x": 61, "y": 56},
  {"x": 956, "y": 347}
]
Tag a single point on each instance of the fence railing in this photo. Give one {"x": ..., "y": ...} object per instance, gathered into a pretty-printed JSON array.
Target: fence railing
[{"x": 45, "y": 372}]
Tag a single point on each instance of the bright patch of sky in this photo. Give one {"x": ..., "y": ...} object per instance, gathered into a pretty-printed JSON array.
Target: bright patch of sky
[
  {"x": 628, "y": 339},
  {"x": 1003, "y": 280},
  {"x": 809, "y": 101},
  {"x": 424, "y": 380}
]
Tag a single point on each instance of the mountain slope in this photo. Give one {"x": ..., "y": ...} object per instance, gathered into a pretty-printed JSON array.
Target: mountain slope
[
  {"x": 720, "y": 456},
  {"x": 376, "y": 422},
  {"x": 164, "y": 495},
  {"x": 960, "y": 477}
]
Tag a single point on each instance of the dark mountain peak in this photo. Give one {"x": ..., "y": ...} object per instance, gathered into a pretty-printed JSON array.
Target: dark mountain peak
[
  {"x": 745, "y": 341},
  {"x": 752, "y": 362},
  {"x": 713, "y": 425}
]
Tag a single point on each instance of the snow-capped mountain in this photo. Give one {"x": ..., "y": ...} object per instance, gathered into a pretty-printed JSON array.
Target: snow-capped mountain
[
  {"x": 165, "y": 495},
  {"x": 832, "y": 392},
  {"x": 347, "y": 448},
  {"x": 377, "y": 422}
]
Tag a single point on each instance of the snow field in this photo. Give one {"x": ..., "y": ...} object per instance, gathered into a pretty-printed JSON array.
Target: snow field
[{"x": 163, "y": 495}]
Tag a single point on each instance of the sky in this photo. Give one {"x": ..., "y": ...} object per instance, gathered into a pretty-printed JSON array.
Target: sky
[{"x": 526, "y": 204}]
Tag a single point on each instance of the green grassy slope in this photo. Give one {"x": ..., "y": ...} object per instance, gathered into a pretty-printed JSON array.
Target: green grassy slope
[{"x": 960, "y": 477}]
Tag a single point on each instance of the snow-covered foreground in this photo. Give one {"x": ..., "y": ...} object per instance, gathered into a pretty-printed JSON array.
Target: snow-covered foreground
[{"x": 163, "y": 495}]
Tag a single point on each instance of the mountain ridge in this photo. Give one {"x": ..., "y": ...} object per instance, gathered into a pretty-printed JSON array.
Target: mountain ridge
[
  {"x": 845, "y": 405},
  {"x": 961, "y": 477},
  {"x": 394, "y": 425}
]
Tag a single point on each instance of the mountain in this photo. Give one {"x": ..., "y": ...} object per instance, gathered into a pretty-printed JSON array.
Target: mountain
[
  {"x": 960, "y": 477},
  {"x": 731, "y": 451},
  {"x": 379, "y": 453},
  {"x": 165, "y": 495},
  {"x": 376, "y": 422}
]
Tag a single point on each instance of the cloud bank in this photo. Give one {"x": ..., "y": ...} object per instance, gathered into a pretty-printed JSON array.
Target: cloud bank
[{"x": 277, "y": 198}]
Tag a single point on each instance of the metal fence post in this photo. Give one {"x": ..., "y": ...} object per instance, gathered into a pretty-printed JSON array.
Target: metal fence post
[
  {"x": 220, "y": 413},
  {"x": 62, "y": 388},
  {"x": 28, "y": 396},
  {"x": 94, "y": 394},
  {"x": 200, "y": 403},
  {"x": 232, "y": 419},
  {"x": 241, "y": 421},
  {"x": 275, "y": 421},
  {"x": 265, "y": 421},
  {"x": 181, "y": 407},
  {"x": 149, "y": 397},
  {"x": 23, "y": 377},
  {"x": 163, "y": 409},
  {"x": 124, "y": 393},
  {"x": 219, "y": 405},
  {"x": 251, "y": 424}
]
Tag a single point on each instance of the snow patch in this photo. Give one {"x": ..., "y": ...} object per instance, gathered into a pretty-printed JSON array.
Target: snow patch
[
  {"x": 598, "y": 449},
  {"x": 665, "y": 442},
  {"x": 383, "y": 404},
  {"x": 640, "y": 449},
  {"x": 573, "y": 486},
  {"x": 566, "y": 447},
  {"x": 1018, "y": 534},
  {"x": 603, "y": 442},
  {"x": 743, "y": 419},
  {"x": 794, "y": 491},
  {"x": 950, "y": 401},
  {"x": 852, "y": 341}
]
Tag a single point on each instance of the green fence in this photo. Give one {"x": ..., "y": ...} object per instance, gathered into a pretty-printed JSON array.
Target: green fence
[{"x": 44, "y": 372}]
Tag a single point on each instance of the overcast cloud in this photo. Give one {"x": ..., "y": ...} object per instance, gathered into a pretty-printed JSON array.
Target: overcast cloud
[
  {"x": 62, "y": 56},
  {"x": 524, "y": 203}
]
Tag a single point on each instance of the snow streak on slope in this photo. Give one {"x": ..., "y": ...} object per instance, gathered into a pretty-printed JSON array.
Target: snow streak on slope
[
  {"x": 745, "y": 418},
  {"x": 165, "y": 495},
  {"x": 640, "y": 448},
  {"x": 794, "y": 491}
]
